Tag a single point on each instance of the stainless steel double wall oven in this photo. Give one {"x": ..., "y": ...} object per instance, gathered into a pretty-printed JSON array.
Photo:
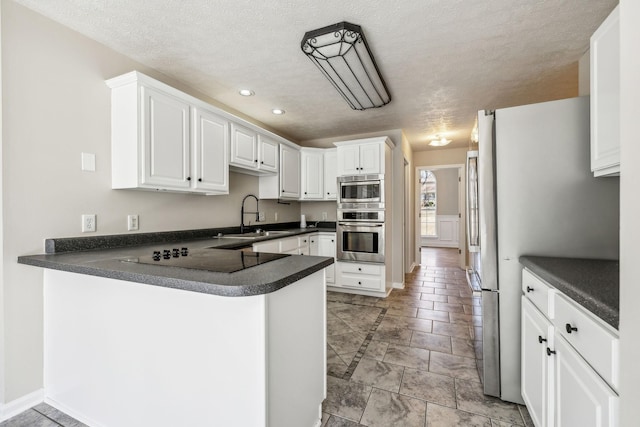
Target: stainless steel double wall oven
[{"x": 361, "y": 219}]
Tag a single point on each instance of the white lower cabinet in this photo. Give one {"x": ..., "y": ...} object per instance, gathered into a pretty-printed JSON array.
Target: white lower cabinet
[
  {"x": 569, "y": 361},
  {"x": 363, "y": 276},
  {"x": 536, "y": 330},
  {"x": 324, "y": 244},
  {"x": 583, "y": 398},
  {"x": 317, "y": 244}
]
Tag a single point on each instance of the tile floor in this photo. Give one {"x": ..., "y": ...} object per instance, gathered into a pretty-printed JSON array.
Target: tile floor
[
  {"x": 407, "y": 360},
  {"x": 410, "y": 359}
]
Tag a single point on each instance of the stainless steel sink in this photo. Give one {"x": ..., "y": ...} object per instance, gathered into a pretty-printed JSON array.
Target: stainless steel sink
[{"x": 256, "y": 234}]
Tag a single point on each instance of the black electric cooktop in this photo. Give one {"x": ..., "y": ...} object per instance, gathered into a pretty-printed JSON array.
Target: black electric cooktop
[{"x": 216, "y": 260}]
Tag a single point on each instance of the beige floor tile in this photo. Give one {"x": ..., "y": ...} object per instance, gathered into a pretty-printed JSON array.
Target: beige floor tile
[
  {"x": 441, "y": 316},
  {"x": 471, "y": 398},
  {"x": 411, "y": 357},
  {"x": 378, "y": 374},
  {"x": 429, "y": 386},
  {"x": 454, "y": 366},
  {"x": 441, "y": 416},
  {"x": 428, "y": 341},
  {"x": 346, "y": 399},
  {"x": 386, "y": 409}
]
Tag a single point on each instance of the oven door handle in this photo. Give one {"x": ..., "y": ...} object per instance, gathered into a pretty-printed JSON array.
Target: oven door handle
[{"x": 359, "y": 224}]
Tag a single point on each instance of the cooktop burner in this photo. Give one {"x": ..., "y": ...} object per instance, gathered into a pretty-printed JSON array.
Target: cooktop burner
[{"x": 216, "y": 260}]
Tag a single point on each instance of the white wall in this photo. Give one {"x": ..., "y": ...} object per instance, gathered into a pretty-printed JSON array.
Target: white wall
[
  {"x": 55, "y": 106},
  {"x": 629, "y": 213},
  {"x": 584, "y": 74}
]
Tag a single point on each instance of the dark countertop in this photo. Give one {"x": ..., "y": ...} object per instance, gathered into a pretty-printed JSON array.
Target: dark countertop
[
  {"x": 104, "y": 256},
  {"x": 592, "y": 283}
]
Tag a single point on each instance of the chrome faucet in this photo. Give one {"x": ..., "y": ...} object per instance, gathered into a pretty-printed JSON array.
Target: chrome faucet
[{"x": 242, "y": 212}]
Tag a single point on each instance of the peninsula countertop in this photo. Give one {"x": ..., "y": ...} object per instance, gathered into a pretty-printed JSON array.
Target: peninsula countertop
[
  {"x": 106, "y": 256},
  {"x": 592, "y": 283}
]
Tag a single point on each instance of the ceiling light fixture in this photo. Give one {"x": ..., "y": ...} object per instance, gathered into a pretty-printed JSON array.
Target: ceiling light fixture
[
  {"x": 439, "y": 141},
  {"x": 278, "y": 111},
  {"x": 341, "y": 52},
  {"x": 246, "y": 92}
]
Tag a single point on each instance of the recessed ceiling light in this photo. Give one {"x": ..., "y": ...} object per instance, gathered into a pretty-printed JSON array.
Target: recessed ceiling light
[
  {"x": 278, "y": 111},
  {"x": 246, "y": 92}
]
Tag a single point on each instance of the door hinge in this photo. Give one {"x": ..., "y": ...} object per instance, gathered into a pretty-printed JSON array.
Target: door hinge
[
  {"x": 459, "y": 251},
  {"x": 459, "y": 215}
]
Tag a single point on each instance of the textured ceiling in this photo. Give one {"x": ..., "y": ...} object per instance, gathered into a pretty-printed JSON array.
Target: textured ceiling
[{"x": 442, "y": 59}]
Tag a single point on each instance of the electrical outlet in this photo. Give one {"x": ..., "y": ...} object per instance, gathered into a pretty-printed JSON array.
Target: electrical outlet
[
  {"x": 324, "y": 216},
  {"x": 132, "y": 222},
  {"x": 261, "y": 216},
  {"x": 88, "y": 223},
  {"x": 276, "y": 217}
]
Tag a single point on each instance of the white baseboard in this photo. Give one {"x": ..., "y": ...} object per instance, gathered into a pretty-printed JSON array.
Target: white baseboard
[
  {"x": 21, "y": 404},
  {"x": 413, "y": 266},
  {"x": 398, "y": 285}
]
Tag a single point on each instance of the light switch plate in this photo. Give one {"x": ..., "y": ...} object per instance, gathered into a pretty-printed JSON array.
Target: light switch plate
[
  {"x": 88, "y": 162},
  {"x": 132, "y": 222}
]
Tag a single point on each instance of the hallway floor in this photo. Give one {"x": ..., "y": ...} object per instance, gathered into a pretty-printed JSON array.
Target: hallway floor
[{"x": 410, "y": 359}]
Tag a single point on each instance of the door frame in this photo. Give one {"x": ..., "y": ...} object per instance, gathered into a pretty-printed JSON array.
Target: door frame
[{"x": 462, "y": 234}]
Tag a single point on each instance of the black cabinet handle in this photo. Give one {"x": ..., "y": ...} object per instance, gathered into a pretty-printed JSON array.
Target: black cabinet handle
[
  {"x": 305, "y": 192},
  {"x": 529, "y": 289},
  {"x": 262, "y": 163},
  {"x": 570, "y": 328},
  {"x": 188, "y": 178},
  {"x": 359, "y": 269},
  {"x": 256, "y": 160},
  {"x": 359, "y": 283},
  {"x": 199, "y": 179},
  {"x": 332, "y": 241},
  {"x": 283, "y": 191},
  {"x": 550, "y": 352},
  {"x": 541, "y": 340}
]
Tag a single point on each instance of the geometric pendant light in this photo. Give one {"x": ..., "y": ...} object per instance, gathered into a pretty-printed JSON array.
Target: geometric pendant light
[{"x": 341, "y": 52}]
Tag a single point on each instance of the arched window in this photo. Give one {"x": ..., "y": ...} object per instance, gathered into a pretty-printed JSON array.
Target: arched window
[{"x": 428, "y": 200}]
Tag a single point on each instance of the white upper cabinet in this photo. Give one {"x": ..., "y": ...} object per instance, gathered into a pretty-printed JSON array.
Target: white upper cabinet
[
  {"x": 312, "y": 174},
  {"x": 366, "y": 156},
  {"x": 605, "y": 97},
  {"x": 330, "y": 174},
  {"x": 268, "y": 152},
  {"x": 286, "y": 183},
  {"x": 252, "y": 153},
  {"x": 289, "y": 172},
  {"x": 244, "y": 147},
  {"x": 165, "y": 135},
  {"x": 211, "y": 143},
  {"x": 161, "y": 141}
]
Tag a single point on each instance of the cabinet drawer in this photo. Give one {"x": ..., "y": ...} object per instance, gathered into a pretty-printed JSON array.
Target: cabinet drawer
[
  {"x": 538, "y": 292},
  {"x": 364, "y": 282},
  {"x": 354, "y": 268},
  {"x": 592, "y": 339},
  {"x": 289, "y": 245}
]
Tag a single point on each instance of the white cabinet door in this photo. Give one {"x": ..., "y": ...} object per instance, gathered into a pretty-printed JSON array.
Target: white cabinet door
[
  {"x": 348, "y": 160},
  {"x": 210, "y": 167},
  {"x": 605, "y": 96},
  {"x": 312, "y": 171},
  {"x": 536, "y": 330},
  {"x": 583, "y": 398},
  {"x": 289, "y": 172},
  {"x": 304, "y": 244},
  {"x": 330, "y": 174},
  {"x": 370, "y": 158},
  {"x": 268, "y": 150},
  {"x": 326, "y": 246},
  {"x": 165, "y": 136},
  {"x": 243, "y": 147}
]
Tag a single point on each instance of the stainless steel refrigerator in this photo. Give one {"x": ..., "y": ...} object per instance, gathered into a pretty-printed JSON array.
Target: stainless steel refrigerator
[{"x": 535, "y": 195}]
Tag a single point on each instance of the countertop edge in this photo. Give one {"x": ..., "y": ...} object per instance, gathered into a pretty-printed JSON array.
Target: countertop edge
[
  {"x": 591, "y": 301},
  {"x": 243, "y": 290}
]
